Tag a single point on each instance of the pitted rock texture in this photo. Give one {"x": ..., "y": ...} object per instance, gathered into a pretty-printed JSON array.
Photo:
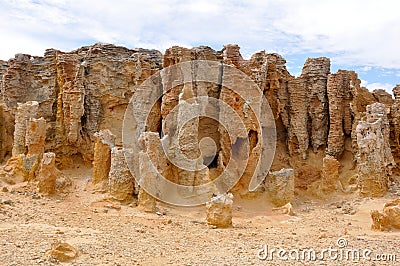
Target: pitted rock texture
[
  {"x": 298, "y": 137},
  {"x": 219, "y": 210},
  {"x": 387, "y": 219},
  {"x": 330, "y": 174},
  {"x": 347, "y": 103},
  {"x": 87, "y": 90},
  {"x": 47, "y": 176},
  {"x": 24, "y": 113},
  {"x": 79, "y": 93},
  {"x": 315, "y": 75},
  {"x": 3, "y": 68},
  {"x": 383, "y": 96},
  {"x": 120, "y": 179},
  {"x": 104, "y": 142},
  {"x": 395, "y": 118},
  {"x": 35, "y": 136},
  {"x": 374, "y": 158},
  {"x": 279, "y": 187}
]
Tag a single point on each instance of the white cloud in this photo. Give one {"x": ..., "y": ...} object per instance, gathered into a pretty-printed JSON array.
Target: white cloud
[
  {"x": 361, "y": 32},
  {"x": 376, "y": 85},
  {"x": 365, "y": 69},
  {"x": 357, "y": 32}
]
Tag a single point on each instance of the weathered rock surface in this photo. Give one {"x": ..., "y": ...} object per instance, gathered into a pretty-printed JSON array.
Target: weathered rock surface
[
  {"x": 219, "y": 210},
  {"x": 330, "y": 174},
  {"x": 315, "y": 75},
  {"x": 47, "y": 176},
  {"x": 340, "y": 89},
  {"x": 383, "y": 96},
  {"x": 104, "y": 142},
  {"x": 120, "y": 179},
  {"x": 35, "y": 136},
  {"x": 24, "y": 113},
  {"x": 347, "y": 103},
  {"x": 388, "y": 218},
  {"x": 374, "y": 157},
  {"x": 395, "y": 117},
  {"x": 305, "y": 175},
  {"x": 78, "y": 93},
  {"x": 146, "y": 202},
  {"x": 87, "y": 90},
  {"x": 62, "y": 251},
  {"x": 279, "y": 187}
]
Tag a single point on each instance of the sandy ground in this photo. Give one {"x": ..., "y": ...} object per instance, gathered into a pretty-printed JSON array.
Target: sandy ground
[{"x": 106, "y": 233}]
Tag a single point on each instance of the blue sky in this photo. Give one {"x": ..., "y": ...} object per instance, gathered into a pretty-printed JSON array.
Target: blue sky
[{"x": 361, "y": 35}]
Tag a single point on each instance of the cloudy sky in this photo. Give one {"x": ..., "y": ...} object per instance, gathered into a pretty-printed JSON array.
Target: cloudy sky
[{"x": 361, "y": 35}]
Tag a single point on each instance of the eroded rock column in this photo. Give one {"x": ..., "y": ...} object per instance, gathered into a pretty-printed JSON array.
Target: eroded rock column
[
  {"x": 120, "y": 179},
  {"x": 35, "y": 136},
  {"x": 395, "y": 114},
  {"x": 330, "y": 174},
  {"x": 35, "y": 142},
  {"x": 298, "y": 137},
  {"x": 104, "y": 142},
  {"x": 153, "y": 166},
  {"x": 25, "y": 111},
  {"x": 315, "y": 75},
  {"x": 47, "y": 174},
  {"x": 374, "y": 156}
]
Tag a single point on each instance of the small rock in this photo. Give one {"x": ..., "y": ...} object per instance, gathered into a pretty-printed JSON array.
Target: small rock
[
  {"x": 36, "y": 196},
  {"x": 4, "y": 189},
  {"x": 62, "y": 251},
  {"x": 219, "y": 211},
  {"x": 7, "y": 202},
  {"x": 285, "y": 209}
]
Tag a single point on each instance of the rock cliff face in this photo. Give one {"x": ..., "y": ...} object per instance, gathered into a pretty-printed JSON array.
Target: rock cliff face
[
  {"x": 79, "y": 93},
  {"x": 87, "y": 90}
]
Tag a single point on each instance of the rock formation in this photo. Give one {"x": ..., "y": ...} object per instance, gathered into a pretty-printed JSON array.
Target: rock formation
[
  {"x": 62, "y": 251},
  {"x": 382, "y": 96},
  {"x": 35, "y": 136},
  {"x": 330, "y": 174},
  {"x": 82, "y": 93},
  {"x": 35, "y": 142},
  {"x": 78, "y": 93},
  {"x": 374, "y": 156},
  {"x": 47, "y": 176},
  {"x": 308, "y": 107},
  {"x": 315, "y": 75},
  {"x": 395, "y": 115},
  {"x": 104, "y": 142},
  {"x": 219, "y": 210},
  {"x": 279, "y": 187},
  {"x": 340, "y": 89},
  {"x": 24, "y": 113},
  {"x": 120, "y": 179},
  {"x": 388, "y": 218},
  {"x": 146, "y": 202}
]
